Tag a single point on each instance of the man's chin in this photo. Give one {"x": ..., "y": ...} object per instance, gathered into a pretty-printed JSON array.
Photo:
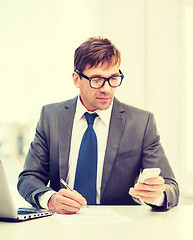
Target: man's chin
[{"x": 103, "y": 106}]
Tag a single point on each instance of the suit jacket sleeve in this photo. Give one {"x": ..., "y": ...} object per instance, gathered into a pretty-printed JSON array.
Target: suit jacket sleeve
[
  {"x": 34, "y": 178},
  {"x": 154, "y": 156}
]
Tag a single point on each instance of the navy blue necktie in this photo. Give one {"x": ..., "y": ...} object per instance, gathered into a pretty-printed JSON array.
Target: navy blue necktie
[{"x": 86, "y": 170}]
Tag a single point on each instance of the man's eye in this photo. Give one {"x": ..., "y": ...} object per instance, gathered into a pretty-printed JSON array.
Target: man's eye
[
  {"x": 114, "y": 78},
  {"x": 97, "y": 80}
]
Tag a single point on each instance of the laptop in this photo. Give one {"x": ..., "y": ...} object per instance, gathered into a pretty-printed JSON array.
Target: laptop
[{"x": 7, "y": 208}]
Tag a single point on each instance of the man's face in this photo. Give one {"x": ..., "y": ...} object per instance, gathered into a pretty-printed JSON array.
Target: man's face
[{"x": 100, "y": 98}]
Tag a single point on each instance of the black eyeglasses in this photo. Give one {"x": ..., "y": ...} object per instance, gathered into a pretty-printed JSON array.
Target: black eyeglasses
[{"x": 99, "y": 82}]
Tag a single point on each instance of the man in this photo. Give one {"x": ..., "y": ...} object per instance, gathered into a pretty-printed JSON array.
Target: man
[{"x": 125, "y": 142}]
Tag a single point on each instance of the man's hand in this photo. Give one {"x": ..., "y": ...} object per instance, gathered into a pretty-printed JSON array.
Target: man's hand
[
  {"x": 66, "y": 201},
  {"x": 149, "y": 191}
]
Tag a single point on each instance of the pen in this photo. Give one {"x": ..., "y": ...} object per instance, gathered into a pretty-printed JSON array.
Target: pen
[{"x": 66, "y": 185}]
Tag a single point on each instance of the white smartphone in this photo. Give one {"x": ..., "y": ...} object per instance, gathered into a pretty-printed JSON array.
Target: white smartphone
[{"x": 148, "y": 173}]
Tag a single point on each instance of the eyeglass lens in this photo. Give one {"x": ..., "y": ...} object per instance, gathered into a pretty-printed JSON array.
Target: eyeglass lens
[{"x": 98, "y": 82}]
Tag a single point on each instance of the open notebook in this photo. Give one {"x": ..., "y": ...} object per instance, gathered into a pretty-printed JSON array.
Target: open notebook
[{"x": 7, "y": 208}]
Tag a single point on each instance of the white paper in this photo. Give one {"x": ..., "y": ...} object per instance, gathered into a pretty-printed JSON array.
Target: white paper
[{"x": 92, "y": 215}]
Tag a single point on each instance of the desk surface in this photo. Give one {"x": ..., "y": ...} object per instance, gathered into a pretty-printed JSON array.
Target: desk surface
[{"x": 175, "y": 224}]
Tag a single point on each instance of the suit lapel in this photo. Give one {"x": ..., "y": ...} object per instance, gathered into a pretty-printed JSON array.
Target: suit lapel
[
  {"x": 65, "y": 132},
  {"x": 116, "y": 128}
]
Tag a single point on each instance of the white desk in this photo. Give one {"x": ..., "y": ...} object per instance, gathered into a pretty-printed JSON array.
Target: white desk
[{"x": 177, "y": 223}]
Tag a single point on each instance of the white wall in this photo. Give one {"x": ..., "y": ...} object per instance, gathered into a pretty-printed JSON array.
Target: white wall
[
  {"x": 164, "y": 72},
  {"x": 150, "y": 34},
  {"x": 123, "y": 23},
  {"x": 188, "y": 98},
  {"x": 37, "y": 43}
]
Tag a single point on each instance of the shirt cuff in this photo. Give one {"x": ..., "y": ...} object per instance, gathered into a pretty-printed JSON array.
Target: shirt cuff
[{"x": 44, "y": 198}]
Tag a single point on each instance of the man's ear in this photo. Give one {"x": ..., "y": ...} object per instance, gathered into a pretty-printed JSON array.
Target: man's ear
[{"x": 76, "y": 79}]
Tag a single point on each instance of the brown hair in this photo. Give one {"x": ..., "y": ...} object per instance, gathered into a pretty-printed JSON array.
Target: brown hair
[{"x": 94, "y": 51}]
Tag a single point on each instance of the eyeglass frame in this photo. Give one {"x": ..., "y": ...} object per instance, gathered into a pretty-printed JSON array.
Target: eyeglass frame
[{"x": 105, "y": 79}]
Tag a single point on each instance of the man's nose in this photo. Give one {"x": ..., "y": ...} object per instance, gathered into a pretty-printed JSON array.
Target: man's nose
[{"x": 106, "y": 87}]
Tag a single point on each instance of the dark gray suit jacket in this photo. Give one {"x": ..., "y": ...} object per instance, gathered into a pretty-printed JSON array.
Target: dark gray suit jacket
[{"x": 133, "y": 144}]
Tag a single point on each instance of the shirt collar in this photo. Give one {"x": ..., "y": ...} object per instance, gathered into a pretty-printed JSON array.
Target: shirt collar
[{"x": 104, "y": 115}]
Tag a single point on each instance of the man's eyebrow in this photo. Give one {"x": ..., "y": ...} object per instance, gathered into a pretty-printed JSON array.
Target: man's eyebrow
[{"x": 98, "y": 75}]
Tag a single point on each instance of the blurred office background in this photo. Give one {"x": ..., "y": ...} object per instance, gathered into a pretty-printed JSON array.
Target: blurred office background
[{"x": 37, "y": 43}]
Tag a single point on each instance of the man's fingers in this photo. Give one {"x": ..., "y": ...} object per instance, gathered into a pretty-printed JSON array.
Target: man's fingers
[
  {"x": 150, "y": 190},
  {"x": 64, "y": 205},
  {"x": 144, "y": 193},
  {"x": 66, "y": 201},
  {"x": 74, "y": 195},
  {"x": 155, "y": 181},
  {"x": 146, "y": 196}
]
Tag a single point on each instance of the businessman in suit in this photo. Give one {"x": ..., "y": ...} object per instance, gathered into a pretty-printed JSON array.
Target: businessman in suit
[{"x": 126, "y": 138}]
